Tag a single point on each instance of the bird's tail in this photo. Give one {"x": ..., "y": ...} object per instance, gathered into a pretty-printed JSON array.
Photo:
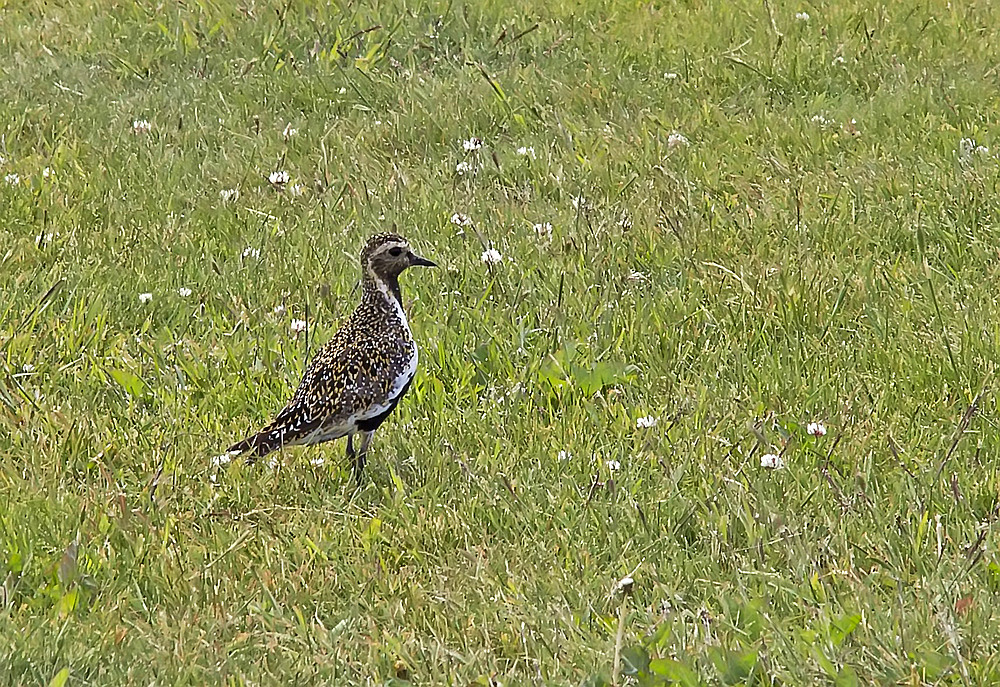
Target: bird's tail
[{"x": 257, "y": 445}]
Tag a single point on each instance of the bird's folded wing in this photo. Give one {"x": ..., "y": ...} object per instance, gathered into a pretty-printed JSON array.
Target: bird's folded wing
[{"x": 333, "y": 390}]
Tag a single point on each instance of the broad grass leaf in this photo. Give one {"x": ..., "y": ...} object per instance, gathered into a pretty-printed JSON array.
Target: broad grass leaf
[
  {"x": 675, "y": 671},
  {"x": 840, "y": 628},
  {"x": 847, "y": 678},
  {"x": 130, "y": 382},
  {"x": 69, "y": 601},
  {"x": 60, "y": 678},
  {"x": 635, "y": 661},
  {"x": 735, "y": 667}
]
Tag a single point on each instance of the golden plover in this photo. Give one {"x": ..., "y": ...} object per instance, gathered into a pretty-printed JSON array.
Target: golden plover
[{"x": 358, "y": 377}]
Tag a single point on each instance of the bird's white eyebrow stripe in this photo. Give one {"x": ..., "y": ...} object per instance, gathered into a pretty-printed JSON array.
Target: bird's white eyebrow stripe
[{"x": 390, "y": 245}]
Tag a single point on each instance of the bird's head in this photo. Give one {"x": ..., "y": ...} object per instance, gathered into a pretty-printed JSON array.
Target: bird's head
[{"x": 385, "y": 256}]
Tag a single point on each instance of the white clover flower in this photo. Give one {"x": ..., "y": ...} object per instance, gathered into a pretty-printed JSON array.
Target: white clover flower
[
  {"x": 580, "y": 203},
  {"x": 145, "y": 297},
  {"x": 816, "y": 429},
  {"x": 279, "y": 309},
  {"x": 544, "y": 230},
  {"x": 224, "y": 459},
  {"x": 251, "y": 252},
  {"x": 229, "y": 195},
  {"x": 669, "y": 75},
  {"x": 13, "y": 179},
  {"x": 278, "y": 179},
  {"x": 28, "y": 367},
  {"x": 472, "y": 144},
  {"x": 297, "y": 326},
  {"x": 342, "y": 90},
  {"x": 463, "y": 167},
  {"x": 646, "y": 422},
  {"x": 677, "y": 140},
  {"x": 141, "y": 126},
  {"x": 289, "y": 131},
  {"x": 564, "y": 455},
  {"x": 47, "y": 173},
  {"x": 461, "y": 220},
  {"x": 296, "y": 190},
  {"x": 184, "y": 292},
  {"x": 317, "y": 462},
  {"x": 772, "y": 461},
  {"x": 614, "y": 465},
  {"x": 527, "y": 151},
  {"x": 802, "y": 16},
  {"x": 624, "y": 585},
  {"x": 839, "y": 59},
  {"x": 491, "y": 256}
]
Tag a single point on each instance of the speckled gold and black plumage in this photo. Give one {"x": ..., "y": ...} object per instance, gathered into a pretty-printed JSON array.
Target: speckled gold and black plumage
[{"x": 356, "y": 379}]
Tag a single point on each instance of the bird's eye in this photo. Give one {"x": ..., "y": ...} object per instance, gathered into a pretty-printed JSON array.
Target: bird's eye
[{"x": 395, "y": 252}]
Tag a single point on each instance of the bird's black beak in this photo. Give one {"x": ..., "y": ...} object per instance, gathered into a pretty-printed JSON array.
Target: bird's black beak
[{"x": 422, "y": 262}]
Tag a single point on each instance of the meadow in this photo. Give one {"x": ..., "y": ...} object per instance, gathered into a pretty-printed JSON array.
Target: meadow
[{"x": 673, "y": 237}]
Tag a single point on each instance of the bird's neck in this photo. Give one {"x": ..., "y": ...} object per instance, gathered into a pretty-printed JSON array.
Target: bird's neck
[{"x": 382, "y": 286}]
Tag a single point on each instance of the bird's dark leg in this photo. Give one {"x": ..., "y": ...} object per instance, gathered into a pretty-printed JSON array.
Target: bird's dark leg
[
  {"x": 359, "y": 460},
  {"x": 351, "y": 455}
]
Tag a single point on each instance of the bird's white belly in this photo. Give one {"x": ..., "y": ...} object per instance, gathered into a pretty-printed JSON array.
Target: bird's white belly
[{"x": 324, "y": 433}]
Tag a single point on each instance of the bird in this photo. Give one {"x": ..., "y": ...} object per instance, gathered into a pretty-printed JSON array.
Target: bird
[{"x": 357, "y": 379}]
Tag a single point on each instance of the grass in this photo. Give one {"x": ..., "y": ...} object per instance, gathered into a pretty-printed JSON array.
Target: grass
[{"x": 819, "y": 250}]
